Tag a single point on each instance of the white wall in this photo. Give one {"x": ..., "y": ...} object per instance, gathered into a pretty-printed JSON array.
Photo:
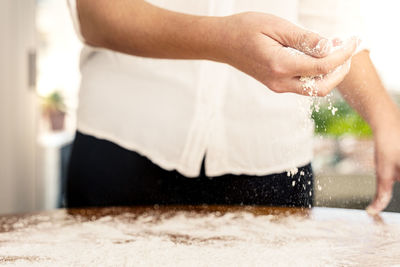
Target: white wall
[{"x": 17, "y": 107}]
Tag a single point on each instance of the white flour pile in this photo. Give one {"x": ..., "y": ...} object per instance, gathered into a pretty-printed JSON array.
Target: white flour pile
[{"x": 186, "y": 238}]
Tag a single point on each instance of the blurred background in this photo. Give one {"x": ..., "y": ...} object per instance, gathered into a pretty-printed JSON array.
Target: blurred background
[{"x": 39, "y": 81}]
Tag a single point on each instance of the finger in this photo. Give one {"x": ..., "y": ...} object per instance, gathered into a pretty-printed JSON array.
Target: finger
[
  {"x": 333, "y": 79},
  {"x": 314, "y": 86},
  {"x": 308, "y": 66},
  {"x": 301, "y": 39},
  {"x": 314, "y": 45},
  {"x": 336, "y": 42},
  {"x": 383, "y": 195}
]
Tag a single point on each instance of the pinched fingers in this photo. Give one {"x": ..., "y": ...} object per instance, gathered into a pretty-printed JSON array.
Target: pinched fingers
[
  {"x": 291, "y": 35},
  {"x": 320, "y": 85},
  {"x": 304, "y": 65},
  {"x": 331, "y": 80}
]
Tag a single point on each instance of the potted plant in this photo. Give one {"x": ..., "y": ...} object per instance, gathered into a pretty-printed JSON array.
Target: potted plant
[{"x": 54, "y": 110}]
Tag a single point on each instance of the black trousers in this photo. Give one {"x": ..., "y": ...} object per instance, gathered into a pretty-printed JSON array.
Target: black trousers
[{"x": 102, "y": 173}]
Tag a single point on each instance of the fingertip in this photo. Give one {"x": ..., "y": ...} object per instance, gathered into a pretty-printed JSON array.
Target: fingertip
[
  {"x": 336, "y": 42},
  {"x": 358, "y": 43},
  {"x": 323, "y": 47},
  {"x": 347, "y": 65},
  {"x": 380, "y": 202},
  {"x": 356, "y": 39},
  {"x": 355, "y": 43},
  {"x": 372, "y": 211},
  {"x": 316, "y": 46}
]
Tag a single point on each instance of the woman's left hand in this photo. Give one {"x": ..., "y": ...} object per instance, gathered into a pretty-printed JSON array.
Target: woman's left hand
[{"x": 387, "y": 161}]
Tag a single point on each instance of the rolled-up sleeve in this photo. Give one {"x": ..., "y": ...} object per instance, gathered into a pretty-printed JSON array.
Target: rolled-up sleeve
[
  {"x": 334, "y": 18},
  {"x": 75, "y": 18}
]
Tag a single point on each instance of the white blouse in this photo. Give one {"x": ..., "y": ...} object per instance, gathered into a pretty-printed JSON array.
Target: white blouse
[{"x": 175, "y": 112}]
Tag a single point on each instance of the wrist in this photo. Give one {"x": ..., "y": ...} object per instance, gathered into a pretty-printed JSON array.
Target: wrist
[{"x": 213, "y": 38}]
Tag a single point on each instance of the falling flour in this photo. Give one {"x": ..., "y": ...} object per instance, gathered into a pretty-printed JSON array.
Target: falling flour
[
  {"x": 292, "y": 172},
  {"x": 309, "y": 85},
  {"x": 331, "y": 107}
]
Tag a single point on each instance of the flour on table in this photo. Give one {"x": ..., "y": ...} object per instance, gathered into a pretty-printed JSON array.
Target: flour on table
[{"x": 184, "y": 238}]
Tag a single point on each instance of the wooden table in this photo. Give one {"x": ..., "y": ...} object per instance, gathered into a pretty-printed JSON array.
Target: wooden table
[{"x": 200, "y": 236}]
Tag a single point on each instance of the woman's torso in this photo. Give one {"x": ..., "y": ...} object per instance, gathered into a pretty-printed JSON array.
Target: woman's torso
[{"x": 176, "y": 111}]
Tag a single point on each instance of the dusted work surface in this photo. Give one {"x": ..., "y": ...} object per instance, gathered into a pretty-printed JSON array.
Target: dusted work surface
[{"x": 200, "y": 236}]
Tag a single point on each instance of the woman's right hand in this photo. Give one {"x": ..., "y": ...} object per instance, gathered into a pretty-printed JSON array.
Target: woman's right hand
[
  {"x": 255, "y": 43},
  {"x": 259, "y": 45}
]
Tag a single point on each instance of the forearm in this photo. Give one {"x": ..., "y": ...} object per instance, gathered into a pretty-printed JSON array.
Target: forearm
[
  {"x": 254, "y": 43},
  {"x": 363, "y": 90},
  {"x": 138, "y": 28}
]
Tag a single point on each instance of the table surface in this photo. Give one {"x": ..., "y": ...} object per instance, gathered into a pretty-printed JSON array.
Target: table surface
[{"x": 200, "y": 236}]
